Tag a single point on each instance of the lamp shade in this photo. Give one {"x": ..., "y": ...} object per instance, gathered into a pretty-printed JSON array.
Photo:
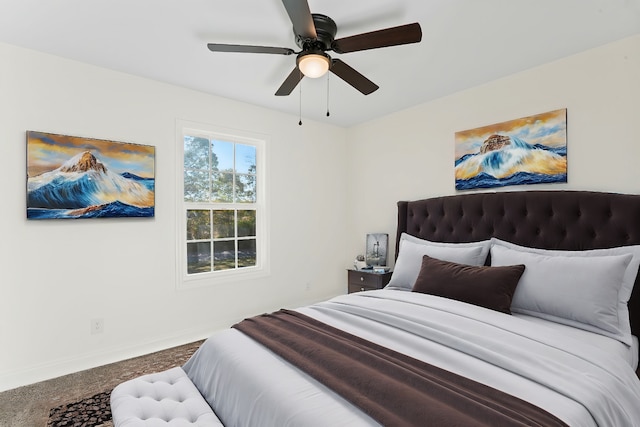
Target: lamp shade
[{"x": 313, "y": 65}]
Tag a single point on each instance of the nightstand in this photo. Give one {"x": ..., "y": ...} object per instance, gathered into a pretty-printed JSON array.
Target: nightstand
[{"x": 366, "y": 280}]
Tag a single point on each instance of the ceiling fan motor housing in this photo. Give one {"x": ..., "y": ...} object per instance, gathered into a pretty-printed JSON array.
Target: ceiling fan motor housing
[{"x": 326, "y": 30}]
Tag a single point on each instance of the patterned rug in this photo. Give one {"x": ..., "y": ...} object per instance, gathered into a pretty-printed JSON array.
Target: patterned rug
[{"x": 94, "y": 411}]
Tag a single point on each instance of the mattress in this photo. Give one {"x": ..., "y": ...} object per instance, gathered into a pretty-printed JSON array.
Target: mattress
[{"x": 582, "y": 382}]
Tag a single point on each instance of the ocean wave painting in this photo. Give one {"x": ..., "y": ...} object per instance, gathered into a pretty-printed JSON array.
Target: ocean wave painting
[
  {"x": 530, "y": 150},
  {"x": 74, "y": 177}
]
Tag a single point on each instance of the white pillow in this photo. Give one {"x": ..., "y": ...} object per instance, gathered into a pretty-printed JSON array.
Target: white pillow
[
  {"x": 412, "y": 249},
  {"x": 583, "y": 292},
  {"x": 629, "y": 275}
]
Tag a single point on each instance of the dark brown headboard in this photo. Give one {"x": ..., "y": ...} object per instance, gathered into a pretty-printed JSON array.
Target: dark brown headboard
[{"x": 569, "y": 220}]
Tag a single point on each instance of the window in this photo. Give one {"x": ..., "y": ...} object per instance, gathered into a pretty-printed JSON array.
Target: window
[{"x": 222, "y": 204}]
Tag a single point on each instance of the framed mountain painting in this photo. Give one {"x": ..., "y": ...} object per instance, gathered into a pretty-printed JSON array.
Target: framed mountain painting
[
  {"x": 75, "y": 177},
  {"x": 529, "y": 150}
]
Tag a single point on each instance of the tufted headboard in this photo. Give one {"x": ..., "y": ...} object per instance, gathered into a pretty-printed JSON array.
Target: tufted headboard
[{"x": 569, "y": 220}]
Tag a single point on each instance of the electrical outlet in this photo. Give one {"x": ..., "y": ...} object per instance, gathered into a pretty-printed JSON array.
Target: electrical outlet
[
  {"x": 97, "y": 326},
  {"x": 308, "y": 286}
]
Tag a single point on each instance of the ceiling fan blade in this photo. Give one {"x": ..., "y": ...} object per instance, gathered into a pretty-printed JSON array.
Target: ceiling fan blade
[
  {"x": 351, "y": 76},
  {"x": 404, "y": 34},
  {"x": 217, "y": 47},
  {"x": 300, "y": 16},
  {"x": 290, "y": 82}
]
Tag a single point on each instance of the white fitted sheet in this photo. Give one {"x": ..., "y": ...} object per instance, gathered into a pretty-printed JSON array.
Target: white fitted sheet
[{"x": 606, "y": 344}]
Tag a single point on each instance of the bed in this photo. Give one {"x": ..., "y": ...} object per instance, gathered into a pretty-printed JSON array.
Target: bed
[{"x": 547, "y": 335}]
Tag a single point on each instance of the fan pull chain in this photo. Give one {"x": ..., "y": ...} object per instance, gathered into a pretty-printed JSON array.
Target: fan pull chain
[
  {"x": 300, "y": 99},
  {"x": 328, "y": 95}
]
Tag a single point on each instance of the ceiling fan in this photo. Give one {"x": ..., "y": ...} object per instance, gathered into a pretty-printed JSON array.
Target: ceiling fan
[{"x": 315, "y": 35}]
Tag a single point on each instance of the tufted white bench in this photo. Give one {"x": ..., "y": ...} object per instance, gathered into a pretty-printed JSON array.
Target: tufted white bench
[{"x": 164, "y": 399}]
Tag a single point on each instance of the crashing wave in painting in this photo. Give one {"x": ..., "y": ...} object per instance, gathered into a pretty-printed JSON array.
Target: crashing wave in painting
[
  {"x": 85, "y": 187},
  {"x": 517, "y": 164},
  {"x": 530, "y": 150}
]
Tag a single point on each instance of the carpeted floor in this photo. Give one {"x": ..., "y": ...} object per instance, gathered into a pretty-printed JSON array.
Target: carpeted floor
[{"x": 82, "y": 399}]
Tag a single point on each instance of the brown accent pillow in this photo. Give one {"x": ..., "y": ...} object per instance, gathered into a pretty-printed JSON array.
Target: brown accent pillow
[{"x": 489, "y": 287}]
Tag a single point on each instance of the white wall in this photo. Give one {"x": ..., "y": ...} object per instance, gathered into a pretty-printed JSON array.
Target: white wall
[
  {"x": 410, "y": 154},
  {"x": 55, "y": 276}
]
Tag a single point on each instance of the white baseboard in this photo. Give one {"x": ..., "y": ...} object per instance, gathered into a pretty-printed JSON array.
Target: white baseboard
[{"x": 57, "y": 368}]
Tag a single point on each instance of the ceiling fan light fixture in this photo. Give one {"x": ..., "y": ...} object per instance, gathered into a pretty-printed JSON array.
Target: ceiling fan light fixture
[{"x": 314, "y": 65}]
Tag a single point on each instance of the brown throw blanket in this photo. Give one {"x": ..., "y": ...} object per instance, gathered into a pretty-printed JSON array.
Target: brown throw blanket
[{"x": 392, "y": 388}]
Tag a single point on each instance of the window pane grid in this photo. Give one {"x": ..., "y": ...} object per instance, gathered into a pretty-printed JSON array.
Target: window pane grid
[
  {"x": 234, "y": 182},
  {"x": 220, "y": 234},
  {"x": 231, "y": 252}
]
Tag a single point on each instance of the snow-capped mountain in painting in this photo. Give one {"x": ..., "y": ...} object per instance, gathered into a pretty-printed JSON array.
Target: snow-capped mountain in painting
[{"x": 84, "y": 187}]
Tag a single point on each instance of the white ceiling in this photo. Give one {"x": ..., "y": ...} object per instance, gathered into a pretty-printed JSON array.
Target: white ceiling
[{"x": 465, "y": 43}]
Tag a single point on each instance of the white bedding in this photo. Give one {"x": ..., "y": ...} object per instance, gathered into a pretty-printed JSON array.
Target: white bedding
[
  {"x": 577, "y": 381},
  {"x": 606, "y": 344}
]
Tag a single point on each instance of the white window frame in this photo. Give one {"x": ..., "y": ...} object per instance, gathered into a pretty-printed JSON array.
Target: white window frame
[{"x": 262, "y": 267}]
